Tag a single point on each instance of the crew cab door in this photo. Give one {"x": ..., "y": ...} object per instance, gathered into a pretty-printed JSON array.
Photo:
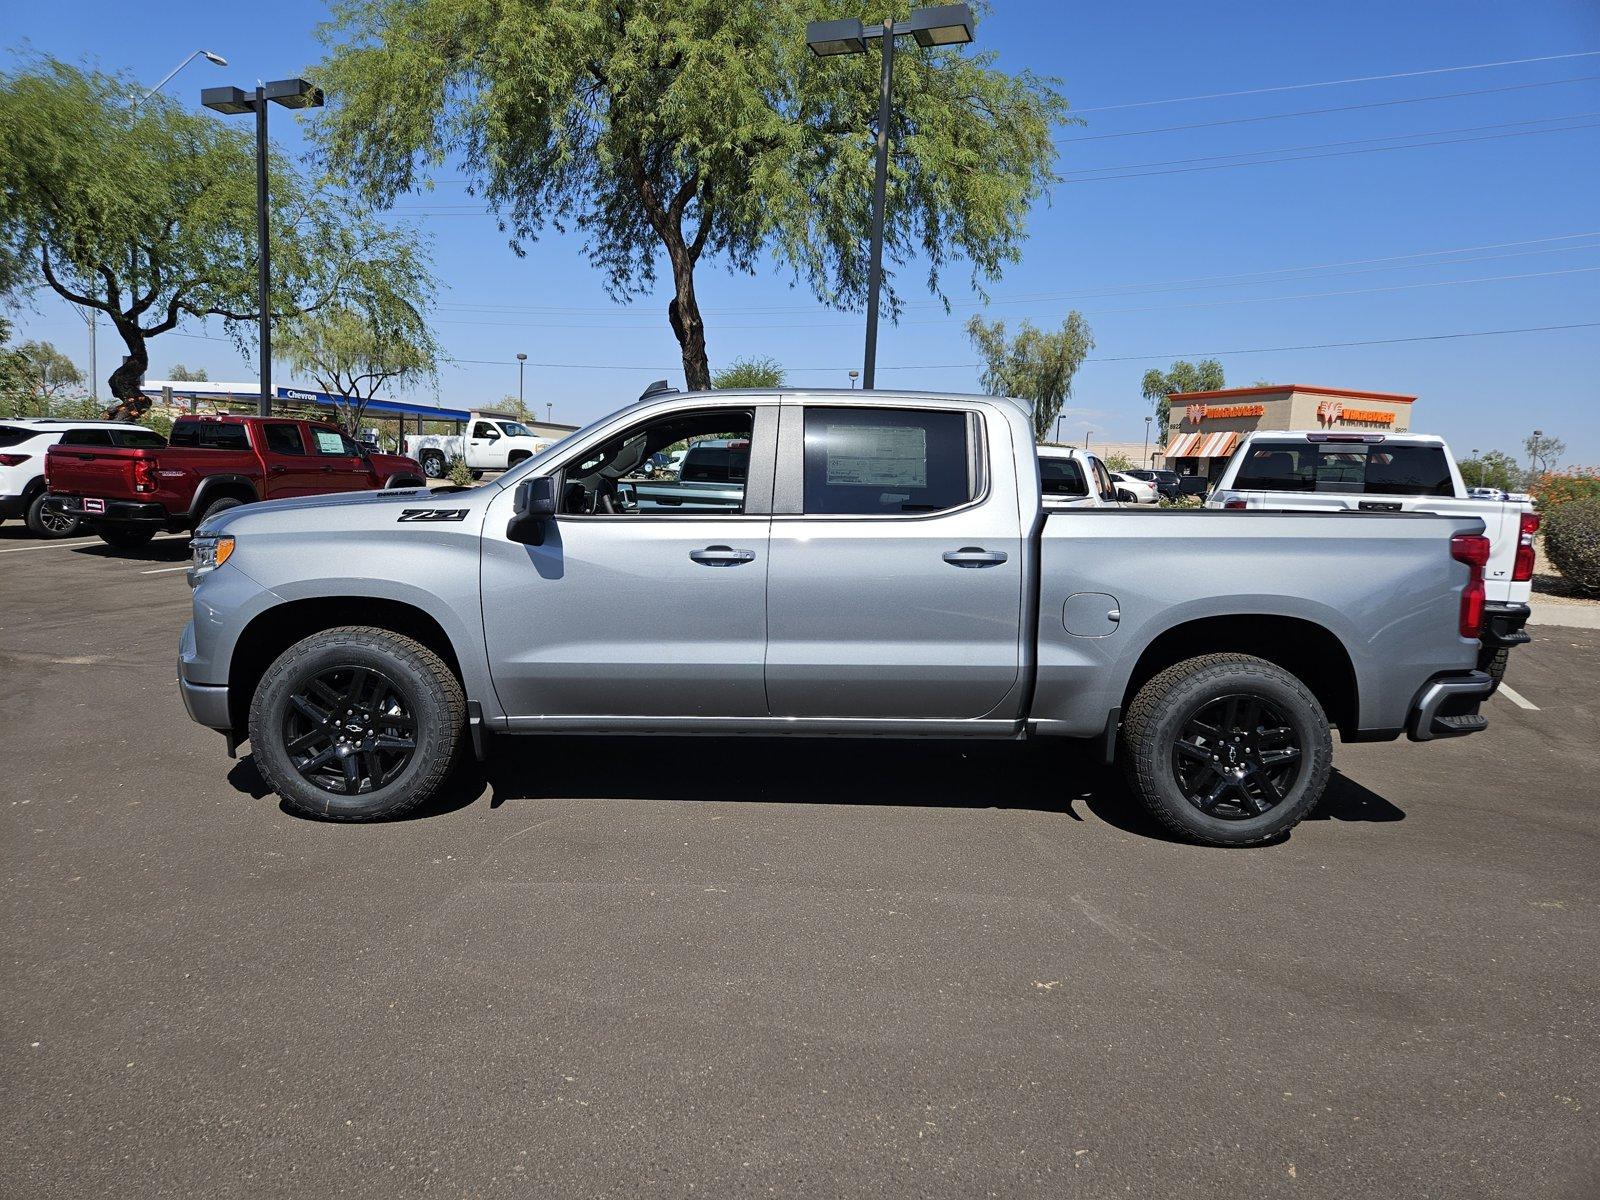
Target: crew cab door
[
  {"x": 340, "y": 462},
  {"x": 630, "y": 615},
  {"x": 895, "y": 585},
  {"x": 484, "y": 446},
  {"x": 291, "y": 469}
]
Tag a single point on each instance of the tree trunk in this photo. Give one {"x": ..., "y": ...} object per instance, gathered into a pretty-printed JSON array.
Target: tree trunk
[
  {"x": 684, "y": 314},
  {"x": 125, "y": 380}
]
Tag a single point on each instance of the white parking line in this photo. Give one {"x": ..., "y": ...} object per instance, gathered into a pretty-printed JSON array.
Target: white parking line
[
  {"x": 73, "y": 544},
  {"x": 164, "y": 570},
  {"x": 1518, "y": 698}
]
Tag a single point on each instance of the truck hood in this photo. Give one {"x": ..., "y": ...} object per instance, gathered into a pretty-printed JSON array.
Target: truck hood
[{"x": 302, "y": 510}]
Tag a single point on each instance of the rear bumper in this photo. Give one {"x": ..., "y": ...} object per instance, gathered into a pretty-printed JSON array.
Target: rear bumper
[
  {"x": 1503, "y": 625},
  {"x": 117, "y": 512},
  {"x": 1447, "y": 706}
]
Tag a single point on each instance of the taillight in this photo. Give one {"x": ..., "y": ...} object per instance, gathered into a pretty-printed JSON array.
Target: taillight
[
  {"x": 1522, "y": 570},
  {"x": 1472, "y": 549},
  {"x": 1233, "y": 504},
  {"x": 144, "y": 475},
  {"x": 12, "y": 460}
]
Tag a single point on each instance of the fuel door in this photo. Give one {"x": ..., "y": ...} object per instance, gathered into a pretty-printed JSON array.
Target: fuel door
[{"x": 1091, "y": 614}]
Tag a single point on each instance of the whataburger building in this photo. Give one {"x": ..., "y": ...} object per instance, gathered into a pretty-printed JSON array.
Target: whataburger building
[{"x": 1206, "y": 426}]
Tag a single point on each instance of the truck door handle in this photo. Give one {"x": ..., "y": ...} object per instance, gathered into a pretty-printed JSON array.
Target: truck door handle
[
  {"x": 722, "y": 556},
  {"x": 327, "y": 470},
  {"x": 279, "y": 470},
  {"x": 974, "y": 556}
]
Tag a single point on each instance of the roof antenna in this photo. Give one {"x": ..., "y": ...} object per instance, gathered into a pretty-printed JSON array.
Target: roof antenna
[{"x": 659, "y": 388}]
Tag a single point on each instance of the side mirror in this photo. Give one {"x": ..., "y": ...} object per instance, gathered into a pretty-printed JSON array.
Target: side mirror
[{"x": 534, "y": 503}]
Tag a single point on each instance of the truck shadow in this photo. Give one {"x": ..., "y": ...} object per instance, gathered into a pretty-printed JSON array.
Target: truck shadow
[
  {"x": 1063, "y": 777},
  {"x": 162, "y": 550}
]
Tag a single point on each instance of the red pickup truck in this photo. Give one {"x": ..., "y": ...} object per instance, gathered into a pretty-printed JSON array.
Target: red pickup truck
[{"x": 129, "y": 493}]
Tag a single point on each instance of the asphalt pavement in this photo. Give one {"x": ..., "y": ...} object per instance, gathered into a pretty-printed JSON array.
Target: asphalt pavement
[{"x": 694, "y": 967}]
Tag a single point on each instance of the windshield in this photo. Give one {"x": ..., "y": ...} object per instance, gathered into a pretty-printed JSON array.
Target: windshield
[{"x": 1358, "y": 468}]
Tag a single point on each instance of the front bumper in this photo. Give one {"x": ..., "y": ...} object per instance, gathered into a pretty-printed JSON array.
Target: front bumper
[
  {"x": 207, "y": 703},
  {"x": 1447, "y": 706}
]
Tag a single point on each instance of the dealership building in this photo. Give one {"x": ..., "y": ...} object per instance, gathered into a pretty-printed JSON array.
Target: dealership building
[{"x": 1205, "y": 427}]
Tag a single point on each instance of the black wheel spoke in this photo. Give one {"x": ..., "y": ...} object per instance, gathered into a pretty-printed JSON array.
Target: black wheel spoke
[
  {"x": 1249, "y": 714},
  {"x": 349, "y": 729},
  {"x": 1276, "y": 736},
  {"x": 1196, "y": 752},
  {"x": 1273, "y": 758},
  {"x": 1209, "y": 801},
  {"x": 1268, "y": 785},
  {"x": 1250, "y": 755}
]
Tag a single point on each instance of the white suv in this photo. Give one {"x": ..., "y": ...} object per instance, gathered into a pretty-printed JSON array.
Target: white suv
[{"x": 23, "y": 441}]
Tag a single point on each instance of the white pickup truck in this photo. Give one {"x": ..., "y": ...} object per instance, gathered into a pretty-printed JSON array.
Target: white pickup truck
[
  {"x": 491, "y": 443},
  {"x": 1388, "y": 473}
]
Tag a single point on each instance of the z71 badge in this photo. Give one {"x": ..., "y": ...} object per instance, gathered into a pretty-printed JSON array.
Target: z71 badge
[{"x": 433, "y": 514}]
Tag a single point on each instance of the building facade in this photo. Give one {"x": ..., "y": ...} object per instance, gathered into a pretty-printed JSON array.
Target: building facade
[{"x": 1205, "y": 427}]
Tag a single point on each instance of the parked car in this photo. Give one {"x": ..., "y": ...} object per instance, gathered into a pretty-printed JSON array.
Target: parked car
[
  {"x": 1073, "y": 478},
  {"x": 1142, "y": 490},
  {"x": 1389, "y": 473},
  {"x": 1487, "y": 493},
  {"x": 889, "y": 570},
  {"x": 128, "y": 491},
  {"x": 491, "y": 443},
  {"x": 1193, "y": 485},
  {"x": 1166, "y": 481},
  {"x": 24, "y": 441}
]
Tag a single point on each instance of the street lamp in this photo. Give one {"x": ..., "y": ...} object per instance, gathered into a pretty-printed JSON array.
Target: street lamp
[
  {"x": 216, "y": 59},
  {"x": 1146, "y": 454},
  {"x": 522, "y": 361},
  {"x": 945, "y": 25},
  {"x": 291, "y": 93},
  {"x": 1479, "y": 461},
  {"x": 854, "y": 375}
]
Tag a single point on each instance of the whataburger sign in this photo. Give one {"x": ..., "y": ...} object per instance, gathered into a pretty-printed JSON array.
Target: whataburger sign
[
  {"x": 1331, "y": 412},
  {"x": 1217, "y": 412}
]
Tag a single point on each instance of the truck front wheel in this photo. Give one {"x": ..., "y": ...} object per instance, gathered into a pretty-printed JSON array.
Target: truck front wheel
[
  {"x": 357, "y": 724},
  {"x": 1227, "y": 749}
]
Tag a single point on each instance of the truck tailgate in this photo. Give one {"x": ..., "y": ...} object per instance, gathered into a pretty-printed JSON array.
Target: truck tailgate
[{"x": 94, "y": 471}]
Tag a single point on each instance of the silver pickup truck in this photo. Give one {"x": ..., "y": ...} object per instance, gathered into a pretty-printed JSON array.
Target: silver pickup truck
[{"x": 890, "y": 571}]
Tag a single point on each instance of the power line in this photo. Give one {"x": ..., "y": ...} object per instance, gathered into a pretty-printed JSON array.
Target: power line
[
  {"x": 1396, "y": 137},
  {"x": 1267, "y": 162},
  {"x": 1317, "y": 112},
  {"x": 1296, "y": 87}
]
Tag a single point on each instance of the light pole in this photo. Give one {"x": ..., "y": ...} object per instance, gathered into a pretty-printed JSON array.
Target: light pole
[
  {"x": 1146, "y": 454},
  {"x": 946, "y": 25},
  {"x": 854, "y": 375},
  {"x": 291, "y": 93},
  {"x": 522, "y": 361},
  {"x": 1479, "y": 461},
  {"x": 205, "y": 54}
]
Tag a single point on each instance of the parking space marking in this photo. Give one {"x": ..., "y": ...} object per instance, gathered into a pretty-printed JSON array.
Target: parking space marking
[
  {"x": 78, "y": 542},
  {"x": 164, "y": 570},
  {"x": 1518, "y": 698}
]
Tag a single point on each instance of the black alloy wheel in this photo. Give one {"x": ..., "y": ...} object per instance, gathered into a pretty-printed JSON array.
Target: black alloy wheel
[
  {"x": 349, "y": 730},
  {"x": 1236, "y": 757}
]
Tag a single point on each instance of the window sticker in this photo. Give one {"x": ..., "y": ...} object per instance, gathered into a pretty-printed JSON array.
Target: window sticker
[
  {"x": 877, "y": 456},
  {"x": 329, "y": 442}
]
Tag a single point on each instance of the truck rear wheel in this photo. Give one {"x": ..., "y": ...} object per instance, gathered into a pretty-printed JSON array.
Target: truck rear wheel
[
  {"x": 1227, "y": 749},
  {"x": 357, "y": 724},
  {"x": 433, "y": 464}
]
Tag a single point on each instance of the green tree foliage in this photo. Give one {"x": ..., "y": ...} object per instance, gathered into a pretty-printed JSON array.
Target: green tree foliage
[
  {"x": 16, "y": 393},
  {"x": 1184, "y": 376},
  {"x": 50, "y": 371},
  {"x": 1118, "y": 462},
  {"x": 753, "y": 372},
  {"x": 147, "y": 213},
  {"x": 183, "y": 374},
  {"x": 673, "y": 132},
  {"x": 1036, "y": 365},
  {"x": 1572, "y": 540},
  {"x": 382, "y": 341},
  {"x": 1494, "y": 468}
]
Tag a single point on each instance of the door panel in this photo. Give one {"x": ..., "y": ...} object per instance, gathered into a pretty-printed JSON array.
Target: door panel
[
  {"x": 911, "y": 617},
  {"x": 291, "y": 469}
]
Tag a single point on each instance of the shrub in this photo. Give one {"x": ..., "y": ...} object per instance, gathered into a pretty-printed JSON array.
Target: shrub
[
  {"x": 1555, "y": 488},
  {"x": 1572, "y": 541},
  {"x": 459, "y": 474},
  {"x": 1181, "y": 502}
]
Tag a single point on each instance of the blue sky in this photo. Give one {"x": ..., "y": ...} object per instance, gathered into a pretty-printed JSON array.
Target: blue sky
[{"x": 1153, "y": 253}]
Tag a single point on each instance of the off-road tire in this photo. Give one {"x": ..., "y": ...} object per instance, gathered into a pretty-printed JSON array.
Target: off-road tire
[
  {"x": 437, "y": 702},
  {"x": 1495, "y": 663},
  {"x": 217, "y": 506},
  {"x": 433, "y": 464},
  {"x": 1163, "y": 705},
  {"x": 123, "y": 538},
  {"x": 38, "y": 520}
]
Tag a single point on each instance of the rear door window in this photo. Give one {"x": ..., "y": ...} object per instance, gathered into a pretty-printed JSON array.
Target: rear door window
[
  {"x": 210, "y": 435},
  {"x": 1063, "y": 477},
  {"x": 1357, "y": 468},
  {"x": 887, "y": 462},
  {"x": 283, "y": 437}
]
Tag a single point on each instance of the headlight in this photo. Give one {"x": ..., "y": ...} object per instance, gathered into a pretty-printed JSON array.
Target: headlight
[{"x": 208, "y": 553}]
